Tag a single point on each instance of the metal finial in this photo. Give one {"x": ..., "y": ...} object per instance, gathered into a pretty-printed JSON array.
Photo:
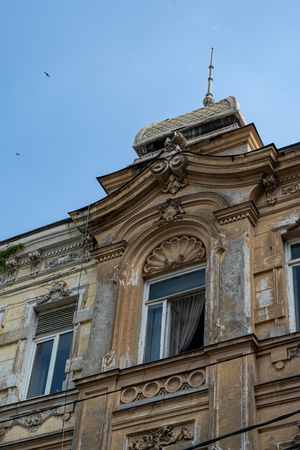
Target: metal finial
[{"x": 209, "y": 98}]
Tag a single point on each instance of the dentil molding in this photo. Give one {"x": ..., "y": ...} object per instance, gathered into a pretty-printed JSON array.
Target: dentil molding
[{"x": 246, "y": 210}]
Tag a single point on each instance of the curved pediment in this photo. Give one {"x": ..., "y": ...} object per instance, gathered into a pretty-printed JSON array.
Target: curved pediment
[{"x": 197, "y": 173}]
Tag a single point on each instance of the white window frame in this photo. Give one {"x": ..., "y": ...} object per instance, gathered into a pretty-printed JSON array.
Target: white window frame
[
  {"x": 48, "y": 337},
  {"x": 165, "y": 341},
  {"x": 290, "y": 284}
]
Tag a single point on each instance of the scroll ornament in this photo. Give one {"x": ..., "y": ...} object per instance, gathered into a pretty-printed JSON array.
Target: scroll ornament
[{"x": 170, "y": 170}]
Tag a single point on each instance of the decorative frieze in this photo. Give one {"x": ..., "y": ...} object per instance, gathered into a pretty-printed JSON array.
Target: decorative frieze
[
  {"x": 159, "y": 438},
  {"x": 111, "y": 251},
  {"x": 280, "y": 188},
  {"x": 174, "y": 253},
  {"x": 163, "y": 387},
  {"x": 170, "y": 211},
  {"x": 33, "y": 421},
  {"x": 290, "y": 189},
  {"x": 44, "y": 260},
  {"x": 62, "y": 260}
]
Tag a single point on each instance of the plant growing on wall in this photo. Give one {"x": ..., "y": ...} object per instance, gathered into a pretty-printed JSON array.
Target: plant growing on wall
[{"x": 7, "y": 252}]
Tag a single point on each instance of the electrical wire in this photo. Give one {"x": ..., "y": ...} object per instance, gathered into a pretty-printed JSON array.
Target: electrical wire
[
  {"x": 114, "y": 391},
  {"x": 202, "y": 444},
  {"x": 73, "y": 343},
  {"x": 243, "y": 430}
]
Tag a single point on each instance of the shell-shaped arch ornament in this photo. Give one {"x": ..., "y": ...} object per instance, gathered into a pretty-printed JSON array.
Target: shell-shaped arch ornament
[{"x": 175, "y": 252}]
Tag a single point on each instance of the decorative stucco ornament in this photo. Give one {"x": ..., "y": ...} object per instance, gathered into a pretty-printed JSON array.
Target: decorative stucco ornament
[
  {"x": 35, "y": 258},
  {"x": 176, "y": 143},
  {"x": 58, "y": 291},
  {"x": 173, "y": 253},
  {"x": 11, "y": 263},
  {"x": 160, "y": 438},
  {"x": 270, "y": 184},
  {"x": 170, "y": 169},
  {"x": 33, "y": 421},
  {"x": 89, "y": 241},
  {"x": 170, "y": 211},
  {"x": 163, "y": 386}
]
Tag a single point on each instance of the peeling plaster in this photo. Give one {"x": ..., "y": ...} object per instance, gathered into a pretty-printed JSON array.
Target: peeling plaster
[
  {"x": 290, "y": 220},
  {"x": 134, "y": 278},
  {"x": 264, "y": 298}
]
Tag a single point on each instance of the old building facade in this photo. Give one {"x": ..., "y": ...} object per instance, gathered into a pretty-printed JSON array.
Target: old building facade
[{"x": 168, "y": 313}]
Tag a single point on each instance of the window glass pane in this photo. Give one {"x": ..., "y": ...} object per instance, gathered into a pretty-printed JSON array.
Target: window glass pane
[
  {"x": 40, "y": 369},
  {"x": 295, "y": 251},
  {"x": 153, "y": 334},
  {"x": 63, "y": 353},
  {"x": 296, "y": 280},
  {"x": 177, "y": 284}
]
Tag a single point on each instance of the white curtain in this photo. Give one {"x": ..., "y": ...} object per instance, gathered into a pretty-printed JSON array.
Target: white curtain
[{"x": 185, "y": 316}]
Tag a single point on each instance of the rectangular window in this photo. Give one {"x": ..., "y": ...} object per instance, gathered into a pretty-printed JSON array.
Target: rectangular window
[
  {"x": 294, "y": 268},
  {"x": 52, "y": 349},
  {"x": 175, "y": 315}
]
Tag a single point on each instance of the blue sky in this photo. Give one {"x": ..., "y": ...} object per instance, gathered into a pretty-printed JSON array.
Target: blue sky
[{"x": 117, "y": 65}]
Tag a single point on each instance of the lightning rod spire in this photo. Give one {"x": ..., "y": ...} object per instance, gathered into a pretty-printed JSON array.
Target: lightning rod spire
[{"x": 209, "y": 98}]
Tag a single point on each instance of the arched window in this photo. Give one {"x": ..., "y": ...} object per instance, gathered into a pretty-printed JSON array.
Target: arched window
[{"x": 174, "y": 300}]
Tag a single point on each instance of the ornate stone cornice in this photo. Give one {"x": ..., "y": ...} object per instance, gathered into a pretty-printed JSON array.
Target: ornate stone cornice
[
  {"x": 42, "y": 260},
  {"x": 175, "y": 252},
  {"x": 111, "y": 251},
  {"x": 246, "y": 210}
]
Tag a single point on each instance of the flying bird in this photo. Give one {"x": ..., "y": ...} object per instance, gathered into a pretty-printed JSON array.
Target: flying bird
[
  {"x": 18, "y": 154},
  {"x": 47, "y": 74}
]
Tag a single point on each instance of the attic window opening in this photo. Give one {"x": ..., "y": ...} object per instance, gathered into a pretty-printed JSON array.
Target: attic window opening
[{"x": 194, "y": 132}]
